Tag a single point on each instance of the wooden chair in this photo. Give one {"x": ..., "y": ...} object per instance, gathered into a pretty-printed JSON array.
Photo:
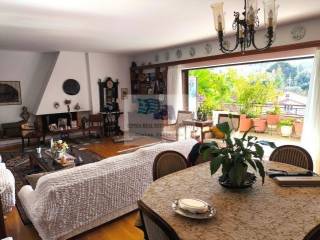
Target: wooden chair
[
  {"x": 31, "y": 131},
  {"x": 171, "y": 131},
  {"x": 156, "y": 227},
  {"x": 314, "y": 234},
  {"x": 293, "y": 155},
  {"x": 95, "y": 124},
  {"x": 168, "y": 162}
]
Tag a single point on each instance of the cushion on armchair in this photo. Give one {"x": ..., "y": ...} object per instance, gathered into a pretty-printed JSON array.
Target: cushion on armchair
[{"x": 142, "y": 106}]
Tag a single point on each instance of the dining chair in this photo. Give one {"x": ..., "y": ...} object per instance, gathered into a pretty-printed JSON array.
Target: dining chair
[
  {"x": 168, "y": 162},
  {"x": 156, "y": 227},
  {"x": 314, "y": 234},
  {"x": 293, "y": 155}
]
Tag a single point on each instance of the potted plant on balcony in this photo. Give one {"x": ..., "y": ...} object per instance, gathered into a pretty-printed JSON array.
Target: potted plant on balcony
[
  {"x": 245, "y": 121},
  {"x": 298, "y": 126},
  {"x": 286, "y": 127},
  {"x": 273, "y": 117},
  {"x": 259, "y": 123},
  {"x": 235, "y": 158}
]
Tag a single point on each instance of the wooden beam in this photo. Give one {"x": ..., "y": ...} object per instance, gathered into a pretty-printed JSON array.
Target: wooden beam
[{"x": 295, "y": 46}]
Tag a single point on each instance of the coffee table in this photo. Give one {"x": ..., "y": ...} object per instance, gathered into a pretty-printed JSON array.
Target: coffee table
[{"x": 47, "y": 163}]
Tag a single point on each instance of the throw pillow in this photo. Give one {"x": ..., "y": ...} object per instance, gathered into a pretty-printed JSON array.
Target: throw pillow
[
  {"x": 142, "y": 106},
  {"x": 217, "y": 133},
  {"x": 153, "y": 105}
]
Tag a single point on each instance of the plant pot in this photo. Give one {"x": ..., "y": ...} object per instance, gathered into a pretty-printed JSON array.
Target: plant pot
[
  {"x": 298, "y": 126},
  {"x": 245, "y": 123},
  {"x": 273, "y": 119},
  {"x": 286, "y": 131},
  {"x": 260, "y": 125},
  {"x": 249, "y": 180}
]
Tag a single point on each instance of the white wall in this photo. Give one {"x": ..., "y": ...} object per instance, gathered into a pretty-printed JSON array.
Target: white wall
[
  {"x": 69, "y": 65},
  {"x": 115, "y": 66},
  {"x": 30, "y": 68},
  {"x": 283, "y": 37}
]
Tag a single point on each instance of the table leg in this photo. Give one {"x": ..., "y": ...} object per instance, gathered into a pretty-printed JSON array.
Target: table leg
[{"x": 185, "y": 132}]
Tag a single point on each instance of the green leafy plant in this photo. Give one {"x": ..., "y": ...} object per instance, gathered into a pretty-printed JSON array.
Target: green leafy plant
[
  {"x": 235, "y": 156},
  {"x": 286, "y": 122}
]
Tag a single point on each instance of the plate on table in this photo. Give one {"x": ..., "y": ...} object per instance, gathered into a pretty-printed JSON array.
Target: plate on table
[{"x": 211, "y": 212}]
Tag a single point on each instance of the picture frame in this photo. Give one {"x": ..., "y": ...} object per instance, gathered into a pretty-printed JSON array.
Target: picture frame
[
  {"x": 124, "y": 93},
  {"x": 10, "y": 93}
]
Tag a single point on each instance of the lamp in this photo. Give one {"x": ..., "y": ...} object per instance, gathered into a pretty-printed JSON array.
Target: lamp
[{"x": 246, "y": 26}]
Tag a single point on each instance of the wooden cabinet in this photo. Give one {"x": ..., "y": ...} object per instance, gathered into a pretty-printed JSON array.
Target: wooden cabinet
[{"x": 148, "y": 81}]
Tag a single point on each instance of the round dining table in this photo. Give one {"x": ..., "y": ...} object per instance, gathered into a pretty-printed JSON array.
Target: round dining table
[{"x": 262, "y": 212}]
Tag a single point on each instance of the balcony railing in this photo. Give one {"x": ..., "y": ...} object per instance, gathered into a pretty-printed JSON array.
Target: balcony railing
[{"x": 297, "y": 111}]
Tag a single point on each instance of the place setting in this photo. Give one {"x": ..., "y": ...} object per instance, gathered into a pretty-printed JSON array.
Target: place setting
[{"x": 193, "y": 208}]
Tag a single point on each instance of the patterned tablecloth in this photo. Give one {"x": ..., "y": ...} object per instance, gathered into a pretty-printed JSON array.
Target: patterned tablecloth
[{"x": 264, "y": 212}]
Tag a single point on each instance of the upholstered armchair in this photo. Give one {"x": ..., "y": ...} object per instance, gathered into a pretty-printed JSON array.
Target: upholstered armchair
[{"x": 175, "y": 132}]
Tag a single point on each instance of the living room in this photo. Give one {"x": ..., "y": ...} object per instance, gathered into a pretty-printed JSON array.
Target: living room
[{"x": 99, "y": 99}]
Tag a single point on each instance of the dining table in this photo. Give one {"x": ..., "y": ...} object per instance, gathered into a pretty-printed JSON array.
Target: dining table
[{"x": 261, "y": 212}]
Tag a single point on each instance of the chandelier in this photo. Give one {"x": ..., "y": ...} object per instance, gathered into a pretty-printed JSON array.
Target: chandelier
[{"x": 246, "y": 26}]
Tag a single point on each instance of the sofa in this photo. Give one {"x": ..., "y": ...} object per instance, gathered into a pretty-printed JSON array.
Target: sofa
[
  {"x": 69, "y": 202},
  {"x": 145, "y": 124}
]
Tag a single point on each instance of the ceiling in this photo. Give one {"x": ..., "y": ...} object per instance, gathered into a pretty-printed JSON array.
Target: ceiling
[{"x": 121, "y": 26}]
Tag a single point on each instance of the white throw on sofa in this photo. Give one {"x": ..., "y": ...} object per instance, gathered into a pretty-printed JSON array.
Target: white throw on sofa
[{"x": 72, "y": 201}]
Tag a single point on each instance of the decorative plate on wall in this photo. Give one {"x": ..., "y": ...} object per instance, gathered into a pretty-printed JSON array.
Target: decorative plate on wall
[
  {"x": 179, "y": 53},
  {"x": 71, "y": 87},
  {"x": 192, "y": 51},
  {"x": 208, "y": 48},
  {"x": 298, "y": 32}
]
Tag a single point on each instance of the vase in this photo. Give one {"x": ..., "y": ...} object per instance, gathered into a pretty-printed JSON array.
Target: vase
[
  {"x": 59, "y": 154},
  {"x": 247, "y": 178}
]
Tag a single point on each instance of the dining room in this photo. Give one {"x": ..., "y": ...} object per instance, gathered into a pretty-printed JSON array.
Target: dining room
[{"x": 229, "y": 191}]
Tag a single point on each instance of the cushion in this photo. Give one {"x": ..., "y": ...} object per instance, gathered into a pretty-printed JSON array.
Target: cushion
[
  {"x": 153, "y": 105},
  {"x": 143, "y": 106},
  {"x": 217, "y": 132}
]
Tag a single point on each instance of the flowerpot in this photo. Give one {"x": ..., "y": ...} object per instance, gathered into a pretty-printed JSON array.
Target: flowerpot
[
  {"x": 286, "y": 131},
  {"x": 273, "y": 119},
  {"x": 59, "y": 155},
  {"x": 249, "y": 180},
  {"x": 245, "y": 123},
  {"x": 260, "y": 125},
  {"x": 298, "y": 126}
]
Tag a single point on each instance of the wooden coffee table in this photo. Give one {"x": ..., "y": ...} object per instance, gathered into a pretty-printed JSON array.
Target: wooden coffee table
[{"x": 47, "y": 163}]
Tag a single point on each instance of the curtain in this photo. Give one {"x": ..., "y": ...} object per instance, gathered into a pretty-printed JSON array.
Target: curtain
[
  {"x": 311, "y": 128},
  {"x": 174, "y": 91}
]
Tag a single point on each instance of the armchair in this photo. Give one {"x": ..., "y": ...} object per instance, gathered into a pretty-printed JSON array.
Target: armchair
[
  {"x": 29, "y": 131},
  {"x": 171, "y": 132}
]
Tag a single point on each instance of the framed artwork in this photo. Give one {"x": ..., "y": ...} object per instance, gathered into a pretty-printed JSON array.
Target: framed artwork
[
  {"x": 124, "y": 93},
  {"x": 10, "y": 93}
]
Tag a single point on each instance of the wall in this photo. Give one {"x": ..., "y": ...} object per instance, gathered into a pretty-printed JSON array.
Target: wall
[
  {"x": 69, "y": 65},
  {"x": 283, "y": 37},
  {"x": 114, "y": 66},
  {"x": 30, "y": 68}
]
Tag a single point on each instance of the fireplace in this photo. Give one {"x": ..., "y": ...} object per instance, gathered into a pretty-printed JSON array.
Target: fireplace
[{"x": 49, "y": 119}]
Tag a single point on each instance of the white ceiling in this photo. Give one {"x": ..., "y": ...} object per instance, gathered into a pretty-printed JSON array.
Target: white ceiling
[{"x": 121, "y": 26}]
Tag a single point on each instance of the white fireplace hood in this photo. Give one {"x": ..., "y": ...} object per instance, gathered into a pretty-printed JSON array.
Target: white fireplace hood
[{"x": 68, "y": 65}]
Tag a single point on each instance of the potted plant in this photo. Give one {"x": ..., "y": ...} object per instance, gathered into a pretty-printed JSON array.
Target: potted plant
[
  {"x": 245, "y": 121},
  {"x": 59, "y": 148},
  {"x": 235, "y": 158},
  {"x": 259, "y": 124},
  {"x": 286, "y": 127},
  {"x": 298, "y": 126},
  {"x": 273, "y": 117}
]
